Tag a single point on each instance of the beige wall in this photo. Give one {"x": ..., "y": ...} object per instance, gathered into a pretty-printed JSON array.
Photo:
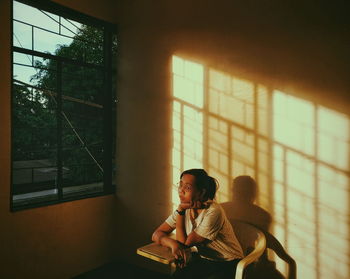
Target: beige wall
[{"x": 296, "y": 49}]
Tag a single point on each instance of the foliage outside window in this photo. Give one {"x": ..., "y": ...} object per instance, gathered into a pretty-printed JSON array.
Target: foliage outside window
[{"x": 63, "y": 105}]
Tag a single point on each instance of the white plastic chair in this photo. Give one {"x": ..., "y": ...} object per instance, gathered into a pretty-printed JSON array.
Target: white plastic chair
[{"x": 253, "y": 243}]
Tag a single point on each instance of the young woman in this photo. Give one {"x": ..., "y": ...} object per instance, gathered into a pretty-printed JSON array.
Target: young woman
[{"x": 200, "y": 222}]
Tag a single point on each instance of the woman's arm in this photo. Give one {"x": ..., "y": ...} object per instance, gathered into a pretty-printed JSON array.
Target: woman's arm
[
  {"x": 161, "y": 236},
  {"x": 194, "y": 239},
  {"x": 181, "y": 234}
]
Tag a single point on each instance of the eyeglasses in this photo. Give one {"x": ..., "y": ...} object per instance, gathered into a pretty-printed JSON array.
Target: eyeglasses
[{"x": 184, "y": 187}]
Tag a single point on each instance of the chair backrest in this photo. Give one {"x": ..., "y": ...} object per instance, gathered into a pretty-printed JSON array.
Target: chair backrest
[{"x": 253, "y": 243}]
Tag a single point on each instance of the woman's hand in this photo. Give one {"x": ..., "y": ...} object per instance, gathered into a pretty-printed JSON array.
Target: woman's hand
[
  {"x": 183, "y": 206},
  {"x": 181, "y": 254}
]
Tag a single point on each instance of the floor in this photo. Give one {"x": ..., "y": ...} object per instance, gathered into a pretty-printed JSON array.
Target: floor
[{"x": 120, "y": 270}]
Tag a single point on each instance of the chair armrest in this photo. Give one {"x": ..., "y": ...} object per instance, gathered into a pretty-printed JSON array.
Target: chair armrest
[{"x": 259, "y": 249}]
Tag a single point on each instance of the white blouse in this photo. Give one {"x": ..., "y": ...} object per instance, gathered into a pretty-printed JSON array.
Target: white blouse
[{"x": 213, "y": 225}]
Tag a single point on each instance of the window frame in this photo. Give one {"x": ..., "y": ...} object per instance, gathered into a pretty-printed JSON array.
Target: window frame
[{"x": 109, "y": 102}]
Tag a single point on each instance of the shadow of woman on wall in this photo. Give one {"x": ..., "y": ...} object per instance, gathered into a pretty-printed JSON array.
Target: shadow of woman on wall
[{"x": 242, "y": 207}]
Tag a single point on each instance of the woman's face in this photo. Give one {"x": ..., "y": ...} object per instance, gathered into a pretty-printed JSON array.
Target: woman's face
[{"x": 187, "y": 189}]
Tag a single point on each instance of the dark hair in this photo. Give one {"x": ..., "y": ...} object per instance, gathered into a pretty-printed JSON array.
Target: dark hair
[{"x": 203, "y": 182}]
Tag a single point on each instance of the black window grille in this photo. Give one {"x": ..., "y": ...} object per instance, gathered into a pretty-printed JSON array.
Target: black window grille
[{"x": 63, "y": 105}]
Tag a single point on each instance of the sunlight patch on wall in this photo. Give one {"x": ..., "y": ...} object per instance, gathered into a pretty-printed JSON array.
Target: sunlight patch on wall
[
  {"x": 215, "y": 119},
  {"x": 333, "y": 210},
  {"x": 263, "y": 111},
  {"x": 311, "y": 192},
  {"x": 192, "y": 138},
  {"x": 297, "y": 150},
  {"x": 264, "y": 173},
  {"x": 293, "y": 122},
  {"x": 231, "y": 143},
  {"x": 187, "y": 119},
  {"x": 300, "y": 222},
  {"x": 176, "y": 150},
  {"x": 231, "y": 98},
  {"x": 243, "y": 152},
  {"x": 333, "y": 138},
  {"x": 188, "y": 81},
  {"x": 218, "y": 157},
  {"x": 333, "y": 205}
]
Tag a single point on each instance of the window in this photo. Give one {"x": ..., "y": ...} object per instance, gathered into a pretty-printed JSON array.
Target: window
[{"x": 63, "y": 105}]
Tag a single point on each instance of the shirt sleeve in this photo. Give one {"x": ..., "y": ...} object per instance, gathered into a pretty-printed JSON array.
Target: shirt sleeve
[
  {"x": 171, "y": 220},
  {"x": 211, "y": 224}
]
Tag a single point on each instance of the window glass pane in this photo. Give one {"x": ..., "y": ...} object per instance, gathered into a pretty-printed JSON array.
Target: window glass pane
[
  {"x": 82, "y": 145},
  {"x": 34, "y": 144}
]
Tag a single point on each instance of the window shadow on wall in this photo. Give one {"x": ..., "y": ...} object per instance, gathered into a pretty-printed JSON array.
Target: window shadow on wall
[{"x": 297, "y": 151}]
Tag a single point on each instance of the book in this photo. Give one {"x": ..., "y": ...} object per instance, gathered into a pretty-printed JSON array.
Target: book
[{"x": 157, "y": 253}]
